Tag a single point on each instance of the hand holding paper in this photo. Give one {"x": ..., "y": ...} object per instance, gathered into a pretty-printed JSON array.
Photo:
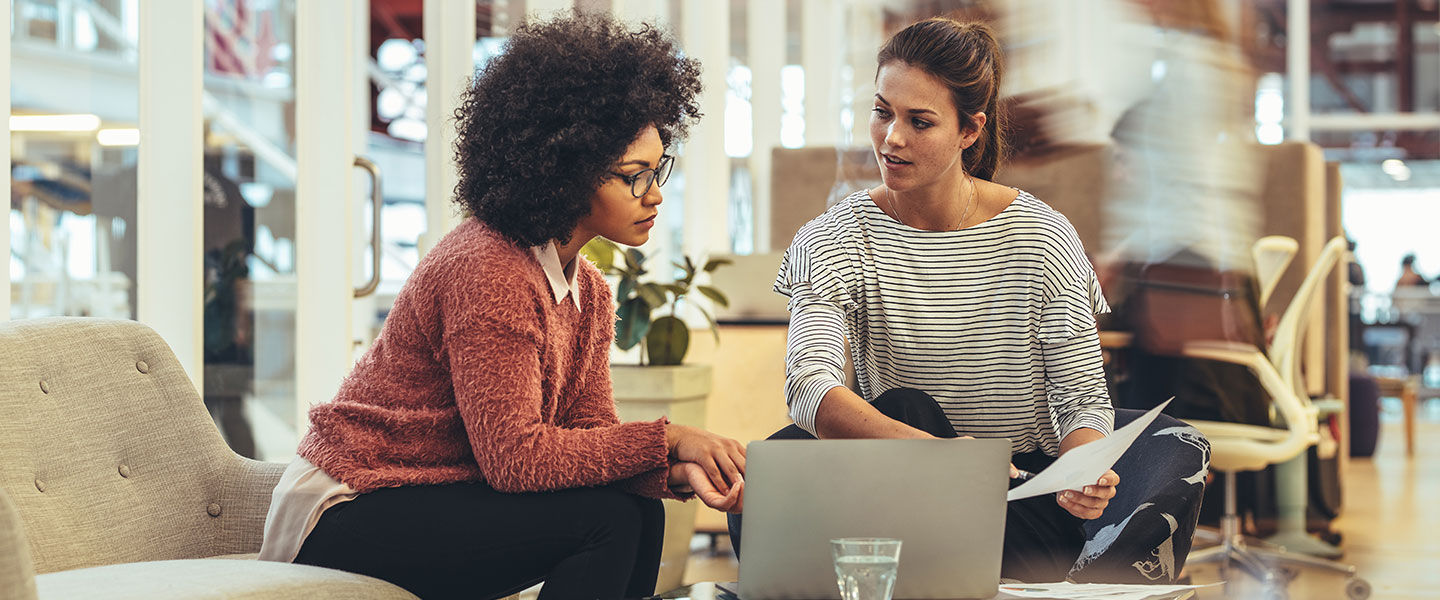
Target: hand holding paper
[{"x": 1085, "y": 464}]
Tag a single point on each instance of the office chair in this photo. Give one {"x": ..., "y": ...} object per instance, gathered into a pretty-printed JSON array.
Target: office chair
[
  {"x": 1238, "y": 447},
  {"x": 1272, "y": 254}
]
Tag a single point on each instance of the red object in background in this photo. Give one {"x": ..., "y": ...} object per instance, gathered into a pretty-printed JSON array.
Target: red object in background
[{"x": 231, "y": 47}]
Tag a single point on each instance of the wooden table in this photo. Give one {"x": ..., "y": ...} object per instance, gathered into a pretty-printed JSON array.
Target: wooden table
[{"x": 1407, "y": 389}]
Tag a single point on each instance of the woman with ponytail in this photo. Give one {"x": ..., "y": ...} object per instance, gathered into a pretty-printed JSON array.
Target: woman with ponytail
[{"x": 969, "y": 310}]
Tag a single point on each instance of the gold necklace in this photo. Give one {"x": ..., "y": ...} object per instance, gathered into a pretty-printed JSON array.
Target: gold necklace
[{"x": 970, "y": 204}]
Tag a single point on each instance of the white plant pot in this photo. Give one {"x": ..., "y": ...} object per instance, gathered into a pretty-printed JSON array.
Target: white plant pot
[{"x": 678, "y": 393}]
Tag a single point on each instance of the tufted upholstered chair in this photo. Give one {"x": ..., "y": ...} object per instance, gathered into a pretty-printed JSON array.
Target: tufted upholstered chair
[{"x": 115, "y": 483}]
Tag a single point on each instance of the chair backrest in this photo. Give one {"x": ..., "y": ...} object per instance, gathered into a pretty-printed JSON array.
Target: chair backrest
[
  {"x": 1234, "y": 446},
  {"x": 1285, "y": 349},
  {"x": 109, "y": 455},
  {"x": 1272, "y": 254}
]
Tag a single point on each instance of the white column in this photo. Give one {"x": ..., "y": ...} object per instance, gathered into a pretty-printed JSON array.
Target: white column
[
  {"x": 820, "y": 51},
  {"x": 543, "y": 9},
  {"x": 1297, "y": 69},
  {"x": 867, "y": 30},
  {"x": 449, "y": 65},
  {"x": 5, "y": 160},
  {"x": 765, "y": 30},
  {"x": 169, "y": 179},
  {"x": 706, "y": 28},
  {"x": 324, "y": 199}
]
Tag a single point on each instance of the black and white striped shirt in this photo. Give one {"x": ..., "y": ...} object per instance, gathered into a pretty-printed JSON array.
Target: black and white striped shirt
[{"x": 995, "y": 321}]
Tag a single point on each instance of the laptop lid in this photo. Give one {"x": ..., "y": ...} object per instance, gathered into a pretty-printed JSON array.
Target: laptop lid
[{"x": 944, "y": 499}]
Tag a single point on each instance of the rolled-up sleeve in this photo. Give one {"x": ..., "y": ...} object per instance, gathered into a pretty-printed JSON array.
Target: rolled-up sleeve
[
  {"x": 814, "y": 358},
  {"x": 815, "y": 341},
  {"x": 1074, "y": 369}
]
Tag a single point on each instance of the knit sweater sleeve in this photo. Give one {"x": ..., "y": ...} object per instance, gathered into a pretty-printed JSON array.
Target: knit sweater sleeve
[{"x": 493, "y": 338}]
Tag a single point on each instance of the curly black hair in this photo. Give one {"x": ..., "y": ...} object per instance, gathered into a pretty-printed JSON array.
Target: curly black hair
[{"x": 542, "y": 125}]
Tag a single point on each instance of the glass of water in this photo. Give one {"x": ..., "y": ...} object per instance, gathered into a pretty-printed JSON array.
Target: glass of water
[{"x": 865, "y": 567}]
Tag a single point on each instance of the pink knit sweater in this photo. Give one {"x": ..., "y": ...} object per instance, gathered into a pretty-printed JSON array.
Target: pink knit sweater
[{"x": 479, "y": 375}]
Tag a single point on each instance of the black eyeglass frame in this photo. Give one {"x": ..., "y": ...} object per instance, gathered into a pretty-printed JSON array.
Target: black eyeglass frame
[{"x": 659, "y": 175}]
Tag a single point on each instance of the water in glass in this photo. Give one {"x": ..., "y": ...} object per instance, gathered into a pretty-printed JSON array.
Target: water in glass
[{"x": 866, "y": 577}]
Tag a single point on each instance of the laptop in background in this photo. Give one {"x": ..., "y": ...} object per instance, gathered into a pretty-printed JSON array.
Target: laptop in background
[
  {"x": 748, "y": 282},
  {"x": 944, "y": 499}
]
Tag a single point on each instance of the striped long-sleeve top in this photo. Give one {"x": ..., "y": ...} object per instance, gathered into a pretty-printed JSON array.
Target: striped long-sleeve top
[{"x": 995, "y": 321}]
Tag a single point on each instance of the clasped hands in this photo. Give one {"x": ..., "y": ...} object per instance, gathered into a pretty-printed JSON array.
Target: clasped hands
[{"x": 710, "y": 465}]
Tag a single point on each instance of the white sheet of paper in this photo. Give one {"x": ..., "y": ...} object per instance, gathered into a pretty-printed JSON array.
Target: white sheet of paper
[
  {"x": 1091, "y": 591},
  {"x": 1085, "y": 464}
]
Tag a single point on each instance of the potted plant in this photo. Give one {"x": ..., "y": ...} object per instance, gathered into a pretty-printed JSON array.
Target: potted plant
[
  {"x": 663, "y": 340},
  {"x": 660, "y": 384}
]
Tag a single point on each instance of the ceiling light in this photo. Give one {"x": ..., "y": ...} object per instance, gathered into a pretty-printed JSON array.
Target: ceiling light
[
  {"x": 54, "y": 122},
  {"x": 118, "y": 137},
  {"x": 1393, "y": 166}
]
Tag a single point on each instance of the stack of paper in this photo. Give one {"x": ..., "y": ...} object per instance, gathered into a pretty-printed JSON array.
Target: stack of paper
[{"x": 1093, "y": 591}]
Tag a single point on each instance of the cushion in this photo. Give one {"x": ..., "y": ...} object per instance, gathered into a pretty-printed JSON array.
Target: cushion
[{"x": 202, "y": 579}]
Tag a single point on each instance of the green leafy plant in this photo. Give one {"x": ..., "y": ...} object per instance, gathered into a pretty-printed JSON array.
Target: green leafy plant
[{"x": 664, "y": 339}]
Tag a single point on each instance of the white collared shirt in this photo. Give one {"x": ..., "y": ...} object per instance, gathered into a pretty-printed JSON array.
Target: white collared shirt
[{"x": 562, "y": 279}]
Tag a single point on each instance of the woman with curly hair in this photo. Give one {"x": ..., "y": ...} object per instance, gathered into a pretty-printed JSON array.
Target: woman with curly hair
[{"x": 475, "y": 450}]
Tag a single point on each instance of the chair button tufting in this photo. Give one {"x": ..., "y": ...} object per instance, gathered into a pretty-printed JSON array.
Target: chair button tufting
[
  {"x": 44, "y": 387},
  {"x": 213, "y": 509},
  {"x": 124, "y": 471},
  {"x": 40, "y": 486},
  {"x": 142, "y": 367}
]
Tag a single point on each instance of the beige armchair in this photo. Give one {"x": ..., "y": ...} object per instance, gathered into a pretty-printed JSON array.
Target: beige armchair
[{"x": 114, "y": 482}]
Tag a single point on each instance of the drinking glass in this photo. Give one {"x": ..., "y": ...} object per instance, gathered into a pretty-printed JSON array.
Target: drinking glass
[{"x": 865, "y": 567}]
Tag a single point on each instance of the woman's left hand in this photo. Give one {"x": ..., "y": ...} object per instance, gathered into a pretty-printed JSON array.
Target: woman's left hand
[{"x": 1090, "y": 503}]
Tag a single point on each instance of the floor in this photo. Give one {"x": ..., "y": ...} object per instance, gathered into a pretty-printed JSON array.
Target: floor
[{"x": 1388, "y": 525}]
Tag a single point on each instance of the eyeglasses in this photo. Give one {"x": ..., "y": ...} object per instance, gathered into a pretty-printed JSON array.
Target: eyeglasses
[{"x": 641, "y": 181}]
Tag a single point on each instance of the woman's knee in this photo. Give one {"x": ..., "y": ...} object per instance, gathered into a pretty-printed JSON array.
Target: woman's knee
[
  {"x": 604, "y": 514},
  {"x": 1162, "y": 425},
  {"x": 909, "y": 398},
  {"x": 652, "y": 515},
  {"x": 791, "y": 432},
  {"x": 916, "y": 409},
  {"x": 1183, "y": 432}
]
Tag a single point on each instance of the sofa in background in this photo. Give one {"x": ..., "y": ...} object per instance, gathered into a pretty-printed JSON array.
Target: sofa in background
[{"x": 115, "y": 483}]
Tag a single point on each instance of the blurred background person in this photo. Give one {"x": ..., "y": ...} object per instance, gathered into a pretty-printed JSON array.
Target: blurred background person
[
  {"x": 1409, "y": 277},
  {"x": 1182, "y": 210}
]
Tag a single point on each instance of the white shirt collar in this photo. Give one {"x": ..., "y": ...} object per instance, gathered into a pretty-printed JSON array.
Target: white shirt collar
[{"x": 562, "y": 279}]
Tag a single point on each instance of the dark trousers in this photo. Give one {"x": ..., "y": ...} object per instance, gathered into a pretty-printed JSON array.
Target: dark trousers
[
  {"x": 467, "y": 540},
  {"x": 1144, "y": 534}
]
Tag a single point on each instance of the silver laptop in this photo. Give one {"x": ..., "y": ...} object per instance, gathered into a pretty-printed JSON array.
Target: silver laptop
[{"x": 944, "y": 499}]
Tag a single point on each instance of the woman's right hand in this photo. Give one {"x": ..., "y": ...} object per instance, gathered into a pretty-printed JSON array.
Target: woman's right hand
[
  {"x": 699, "y": 482},
  {"x": 1014, "y": 472},
  {"x": 721, "y": 458}
]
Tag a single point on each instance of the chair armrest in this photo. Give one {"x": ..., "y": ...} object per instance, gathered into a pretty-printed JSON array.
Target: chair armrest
[
  {"x": 249, "y": 485},
  {"x": 17, "y": 572},
  {"x": 1239, "y": 447}
]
